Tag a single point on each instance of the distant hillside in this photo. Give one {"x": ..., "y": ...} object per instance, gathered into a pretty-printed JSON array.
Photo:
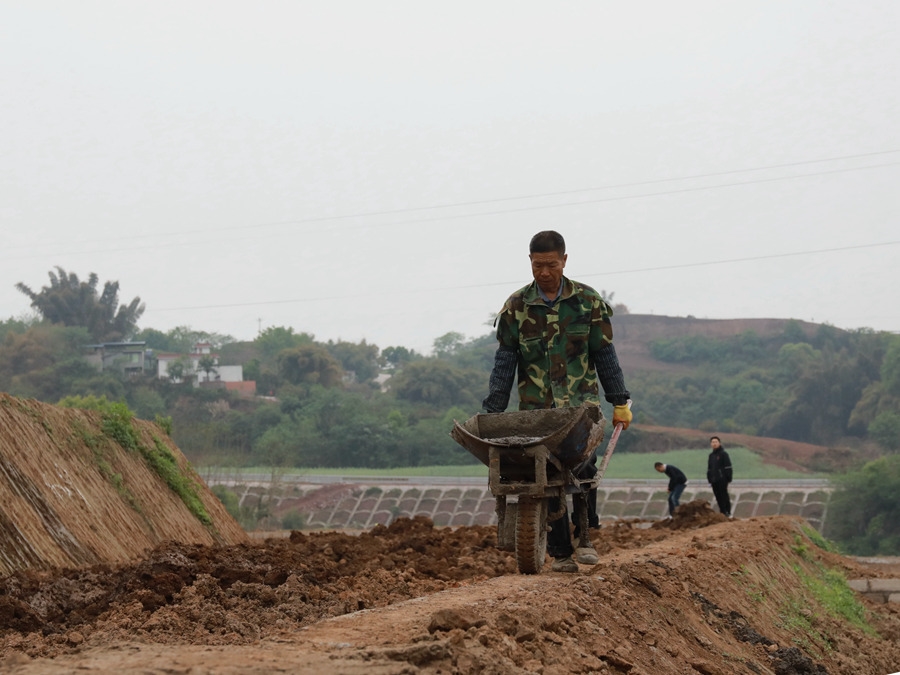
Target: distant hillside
[
  {"x": 790, "y": 455},
  {"x": 634, "y": 333},
  {"x": 704, "y": 385},
  {"x": 71, "y": 495}
]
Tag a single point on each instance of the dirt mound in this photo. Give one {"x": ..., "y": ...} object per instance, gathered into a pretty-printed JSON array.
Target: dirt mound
[
  {"x": 690, "y": 596},
  {"x": 693, "y": 514},
  {"x": 74, "y": 495}
]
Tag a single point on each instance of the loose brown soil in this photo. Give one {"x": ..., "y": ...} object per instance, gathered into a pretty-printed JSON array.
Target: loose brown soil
[{"x": 698, "y": 594}]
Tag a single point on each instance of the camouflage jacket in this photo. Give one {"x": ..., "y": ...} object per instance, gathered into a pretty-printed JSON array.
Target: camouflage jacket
[{"x": 555, "y": 344}]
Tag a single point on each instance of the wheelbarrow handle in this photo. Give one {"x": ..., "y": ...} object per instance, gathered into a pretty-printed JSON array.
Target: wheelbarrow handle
[{"x": 610, "y": 447}]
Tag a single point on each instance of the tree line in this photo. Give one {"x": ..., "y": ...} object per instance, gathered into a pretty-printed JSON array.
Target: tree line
[{"x": 327, "y": 404}]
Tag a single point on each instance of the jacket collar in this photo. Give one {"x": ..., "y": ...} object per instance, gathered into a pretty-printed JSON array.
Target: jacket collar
[{"x": 532, "y": 295}]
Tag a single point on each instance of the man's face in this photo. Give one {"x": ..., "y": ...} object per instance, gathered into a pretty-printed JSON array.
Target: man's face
[
  {"x": 714, "y": 444},
  {"x": 547, "y": 269}
]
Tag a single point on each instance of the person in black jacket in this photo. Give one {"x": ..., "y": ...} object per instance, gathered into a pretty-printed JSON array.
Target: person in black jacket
[
  {"x": 677, "y": 481},
  {"x": 718, "y": 473}
]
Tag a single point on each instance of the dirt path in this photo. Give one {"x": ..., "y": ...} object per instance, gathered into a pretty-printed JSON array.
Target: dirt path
[{"x": 698, "y": 595}]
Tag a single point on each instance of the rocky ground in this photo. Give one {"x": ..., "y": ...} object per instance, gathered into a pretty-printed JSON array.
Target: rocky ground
[{"x": 698, "y": 594}]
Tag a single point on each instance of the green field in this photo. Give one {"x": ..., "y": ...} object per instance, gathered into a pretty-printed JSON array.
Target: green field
[{"x": 747, "y": 466}]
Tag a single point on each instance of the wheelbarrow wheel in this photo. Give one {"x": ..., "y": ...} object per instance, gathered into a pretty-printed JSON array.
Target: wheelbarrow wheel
[{"x": 531, "y": 534}]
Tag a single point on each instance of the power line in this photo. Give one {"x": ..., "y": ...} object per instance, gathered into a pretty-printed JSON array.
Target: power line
[
  {"x": 386, "y": 212},
  {"x": 523, "y": 209},
  {"x": 513, "y": 283}
]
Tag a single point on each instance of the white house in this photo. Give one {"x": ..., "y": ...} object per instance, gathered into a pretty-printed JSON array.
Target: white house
[{"x": 192, "y": 366}]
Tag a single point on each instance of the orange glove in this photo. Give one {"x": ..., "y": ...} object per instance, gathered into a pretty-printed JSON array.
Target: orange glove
[{"x": 622, "y": 415}]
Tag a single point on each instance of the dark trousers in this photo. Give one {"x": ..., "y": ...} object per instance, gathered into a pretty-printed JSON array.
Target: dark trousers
[
  {"x": 593, "y": 518},
  {"x": 559, "y": 539},
  {"x": 720, "y": 491},
  {"x": 674, "y": 497}
]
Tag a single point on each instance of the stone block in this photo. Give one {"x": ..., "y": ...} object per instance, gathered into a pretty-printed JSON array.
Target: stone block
[
  {"x": 320, "y": 518},
  {"x": 487, "y": 507},
  {"x": 482, "y": 518},
  {"x": 813, "y": 512},
  {"x": 461, "y": 518},
  {"x": 767, "y": 509},
  {"x": 449, "y": 505},
  {"x": 381, "y": 518},
  {"x": 367, "y": 504},
  {"x": 818, "y": 496},
  {"x": 884, "y": 585},
  {"x": 427, "y": 506},
  {"x": 743, "y": 509},
  {"x": 858, "y": 585},
  {"x": 407, "y": 505},
  {"x": 634, "y": 509},
  {"x": 340, "y": 518},
  {"x": 441, "y": 519}
]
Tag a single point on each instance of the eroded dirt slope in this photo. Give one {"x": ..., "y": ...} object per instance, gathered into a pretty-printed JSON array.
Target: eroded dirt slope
[
  {"x": 699, "y": 594},
  {"x": 70, "y": 495}
]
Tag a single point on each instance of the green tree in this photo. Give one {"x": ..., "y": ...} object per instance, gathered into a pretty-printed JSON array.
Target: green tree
[
  {"x": 308, "y": 365},
  {"x": 207, "y": 363},
  {"x": 16, "y": 325},
  {"x": 179, "y": 370},
  {"x": 437, "y": 383},
  {"x": 864, "y": 512},
  {"x": 276, "y": 339},
  {"x": 146, "y": 402},
  {"x": 794, "y": 358},
  {"x": 46, "y": 362},
  {"x": 448, "y": 344},
  {"x": 181, "y": 339},
  {"x": 793, "y": 332},
  {"x": 157, "y": 340},
  {"x": 395, "y": 357},
  {"x": 890, "y": 368},
  {"x": 885, "y": 430},
  {"x": 360, "y": 359},
  {"x": 72, "y": 302}
]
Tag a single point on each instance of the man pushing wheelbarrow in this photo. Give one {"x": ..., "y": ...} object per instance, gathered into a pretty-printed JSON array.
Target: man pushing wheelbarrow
[{"x": 555, "y": 334}]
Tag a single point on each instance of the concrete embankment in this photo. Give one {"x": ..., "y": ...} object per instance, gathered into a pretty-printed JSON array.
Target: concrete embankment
[{"x": 360, "y": 503}]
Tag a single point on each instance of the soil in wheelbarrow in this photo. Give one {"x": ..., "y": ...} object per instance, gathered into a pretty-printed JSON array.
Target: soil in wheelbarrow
[{"x": 698, "y": 594}]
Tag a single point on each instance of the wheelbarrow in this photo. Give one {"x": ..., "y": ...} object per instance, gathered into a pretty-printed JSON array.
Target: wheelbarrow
[{"x": 535, "y": 455}]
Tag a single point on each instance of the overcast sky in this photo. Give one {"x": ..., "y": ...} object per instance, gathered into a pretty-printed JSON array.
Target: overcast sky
[{"x": 375, "y": 170}]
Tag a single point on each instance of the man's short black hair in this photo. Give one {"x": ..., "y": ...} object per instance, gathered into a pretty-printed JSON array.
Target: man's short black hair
[
  {"x": 547, "y": 241},
  {"x": 715, "y": 438}
]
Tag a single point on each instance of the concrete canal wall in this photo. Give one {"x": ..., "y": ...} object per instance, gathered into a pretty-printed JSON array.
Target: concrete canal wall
[{"x": 360, "y": 503}]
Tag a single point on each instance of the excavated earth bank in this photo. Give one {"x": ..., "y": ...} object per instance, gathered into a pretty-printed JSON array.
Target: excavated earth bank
[
  {"x": 699, "y": 594},
  {"x": 105, "y": 568}
]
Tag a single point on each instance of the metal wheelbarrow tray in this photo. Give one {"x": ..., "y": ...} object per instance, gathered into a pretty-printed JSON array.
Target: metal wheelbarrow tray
[{"x": 534, "y": 455}]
